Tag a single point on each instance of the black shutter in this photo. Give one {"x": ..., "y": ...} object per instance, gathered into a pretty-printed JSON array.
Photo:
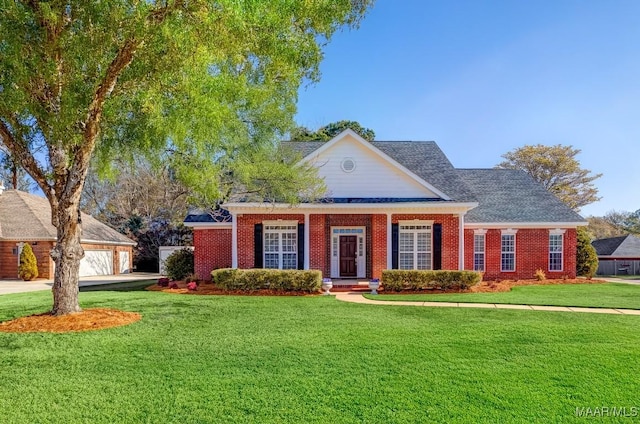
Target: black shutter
[
  {"x": 300, "y": 246},
  {"x": 257, "y": 241},
  {"x": 395, "y": 235},
  {"x": 437, "y": 246}
]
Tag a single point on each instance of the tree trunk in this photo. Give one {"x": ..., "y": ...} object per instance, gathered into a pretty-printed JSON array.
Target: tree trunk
[{"x": 67, "y": 254}]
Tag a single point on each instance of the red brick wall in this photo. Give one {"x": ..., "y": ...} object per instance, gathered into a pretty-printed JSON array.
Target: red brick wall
[
  {"x": 212, "y": 250},
  {"x": 378, "y": 245},
  {"x": 318, "y": 250},
  {"x": 450, "y": 229},
  {"x": 246, "y": 225},
  {"x": 532, "y": 253}
]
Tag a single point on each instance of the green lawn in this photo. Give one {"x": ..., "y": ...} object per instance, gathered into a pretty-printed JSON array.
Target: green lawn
[
  {"x": 216, "y": 359},
  {"x": 607, "y": 295}
]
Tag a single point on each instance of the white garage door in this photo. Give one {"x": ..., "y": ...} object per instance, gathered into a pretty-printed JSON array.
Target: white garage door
[
  {"x": 125, "y": 266},
  {"x": 96, "y": 262}
]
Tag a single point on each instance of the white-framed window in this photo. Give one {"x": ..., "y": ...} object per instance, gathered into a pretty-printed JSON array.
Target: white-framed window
[
  {"x": 478, "y": 251},
  {"x": 281, "y": 246},
  {"x": 508, "y": 252},
  {"x": 415, "y": 246},
  {"x": 556, "y": 243}
]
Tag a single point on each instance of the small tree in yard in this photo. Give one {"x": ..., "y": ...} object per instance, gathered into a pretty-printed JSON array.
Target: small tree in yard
[
  {"x": 28, "y": 269},
  {"x": 179, "y": 264},
  {"x": 208, "y": 85},
  {"x": 586, "y": 256}
]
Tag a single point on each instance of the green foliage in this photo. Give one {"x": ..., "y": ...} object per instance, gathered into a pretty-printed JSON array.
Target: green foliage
[
  {"x": 619, "y": 223},
  {"x": 179, "y": 264},
  {"x": 289, "y": 280},
  {"x": 586, "y": 256},
  {"x": 557, "y": 169},
  {"x": 28, "y": 268},
  {"x": 397, "y": 280},
  {"x": 331, "y": 130}
]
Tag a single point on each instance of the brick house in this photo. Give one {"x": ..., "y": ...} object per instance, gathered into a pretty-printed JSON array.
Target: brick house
[
  {"x": 26, "y": 218},
  {"x": 395, "y": 205}
]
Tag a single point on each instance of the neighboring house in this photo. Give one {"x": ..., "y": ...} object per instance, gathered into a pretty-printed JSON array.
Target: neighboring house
[
  {"x": 396, "y": 205},
  {"x": 26, "y": 218},
  {"x": 618, "y": 255}
]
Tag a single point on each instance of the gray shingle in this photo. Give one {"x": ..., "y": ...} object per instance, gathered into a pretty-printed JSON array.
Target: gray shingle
[
  {"x": 506, "y": 195},
  {"x": 25, "y": 216},
  {"x": 620, "y": 247}
]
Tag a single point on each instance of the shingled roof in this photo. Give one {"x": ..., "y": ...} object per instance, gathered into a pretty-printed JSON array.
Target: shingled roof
[
  {"x": 507, "y": 195},
  {"x": 503, "y": 195},
  {"x": 619, "y": 247},
  {"x": 25, "y": 216}
]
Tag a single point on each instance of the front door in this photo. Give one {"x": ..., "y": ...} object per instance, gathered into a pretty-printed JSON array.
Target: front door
[{"x": 348, "y": 256}]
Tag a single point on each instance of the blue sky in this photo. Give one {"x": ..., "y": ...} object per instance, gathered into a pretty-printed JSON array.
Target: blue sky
[{"x": 484, "y": 77}]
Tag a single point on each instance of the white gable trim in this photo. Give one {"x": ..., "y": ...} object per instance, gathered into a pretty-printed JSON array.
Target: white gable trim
[
  {"x": 337, "y": 139},
  {"x": 453, "y": 208}
]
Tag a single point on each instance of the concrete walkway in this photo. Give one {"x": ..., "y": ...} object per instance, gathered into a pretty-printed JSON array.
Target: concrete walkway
[
  {"x": 355, "y": 297},
  {"x": 19, "y": 286}
]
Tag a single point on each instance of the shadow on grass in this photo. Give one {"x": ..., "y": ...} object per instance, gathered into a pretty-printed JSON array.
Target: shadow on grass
[{"x": 127, "y": 286}]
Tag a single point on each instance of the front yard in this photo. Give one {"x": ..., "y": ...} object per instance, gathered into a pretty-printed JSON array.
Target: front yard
[
  {"x": 211, "y": 359},
  {"x": 606, "y": 295}
]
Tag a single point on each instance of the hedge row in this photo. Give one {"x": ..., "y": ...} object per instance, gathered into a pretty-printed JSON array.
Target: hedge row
[
  {"x": 273, "y": 279},
  {"x": 397, "y": 280}
]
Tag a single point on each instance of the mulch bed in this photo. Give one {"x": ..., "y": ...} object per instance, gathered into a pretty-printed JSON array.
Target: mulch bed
[
  {"x": 87, "y": 320},
  {"x": 211, "y": 289},
  {"x": 499, "y": 286}
]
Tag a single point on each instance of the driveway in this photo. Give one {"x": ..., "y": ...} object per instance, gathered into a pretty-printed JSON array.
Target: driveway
[{"x": 19, "y": 286}]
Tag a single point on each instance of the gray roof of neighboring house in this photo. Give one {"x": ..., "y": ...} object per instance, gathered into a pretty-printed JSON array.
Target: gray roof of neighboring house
[
  {"x": 25, "y": 216},
  {"x": 507, "y": 195},
  {"x": 619, "y": 247}
]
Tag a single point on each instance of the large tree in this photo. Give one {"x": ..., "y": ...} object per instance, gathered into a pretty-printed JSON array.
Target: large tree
[
  {"x": 327, "y": 132},
  {"x": 211, "y": 83},
  {"x": 558, "y": 170}
]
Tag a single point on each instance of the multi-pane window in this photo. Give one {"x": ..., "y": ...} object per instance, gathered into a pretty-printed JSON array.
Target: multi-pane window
[
  {"x": 281, "y": 246},
  {"x": 555, "y": 252},
  {"x": 478, "y": 252},
  {"x": 414, "y": 247},
  {"x": 508, "y": 255}
]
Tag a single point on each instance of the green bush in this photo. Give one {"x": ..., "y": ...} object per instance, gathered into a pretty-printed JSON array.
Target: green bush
[
  {"x": 397, "y": 280},
  {"x": 28, "y": 268},
  {"x": 586, "y": 256},
  {"x": 179, "y": 264},
  {"x": 292, "y": 280}
]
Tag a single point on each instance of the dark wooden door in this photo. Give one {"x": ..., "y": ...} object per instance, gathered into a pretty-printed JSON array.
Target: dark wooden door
[{"x": 348, "y": 256}]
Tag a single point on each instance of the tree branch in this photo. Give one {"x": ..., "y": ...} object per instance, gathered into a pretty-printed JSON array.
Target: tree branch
[{"x": 25, "y": 158}]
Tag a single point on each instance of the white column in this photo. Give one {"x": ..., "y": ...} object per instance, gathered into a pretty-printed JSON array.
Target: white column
[
  {"x": 307, "y": 243},
  {"x": 234, "y": 240},
  {"x": 461, "y": 242},
  {"x": 389, "y": 244}
]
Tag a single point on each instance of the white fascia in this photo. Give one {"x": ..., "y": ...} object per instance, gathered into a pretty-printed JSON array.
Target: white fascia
[
  {"x": 416, "y": 207},
  {"x": 523, "y": 225},
  {"x": 208, "y": 225}
]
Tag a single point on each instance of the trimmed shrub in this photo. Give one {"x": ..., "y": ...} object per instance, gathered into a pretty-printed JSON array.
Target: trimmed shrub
[
  {"x": 398, "y": 280},
  {"x": 291, "y": 280},
  {"x": 586, "y": 256},
  {"x": 179, "y": 264},
  {"x": 28, "y": 268},
  {"x": 192, "y": 286},
  {"x": 163, "y": 282}
]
